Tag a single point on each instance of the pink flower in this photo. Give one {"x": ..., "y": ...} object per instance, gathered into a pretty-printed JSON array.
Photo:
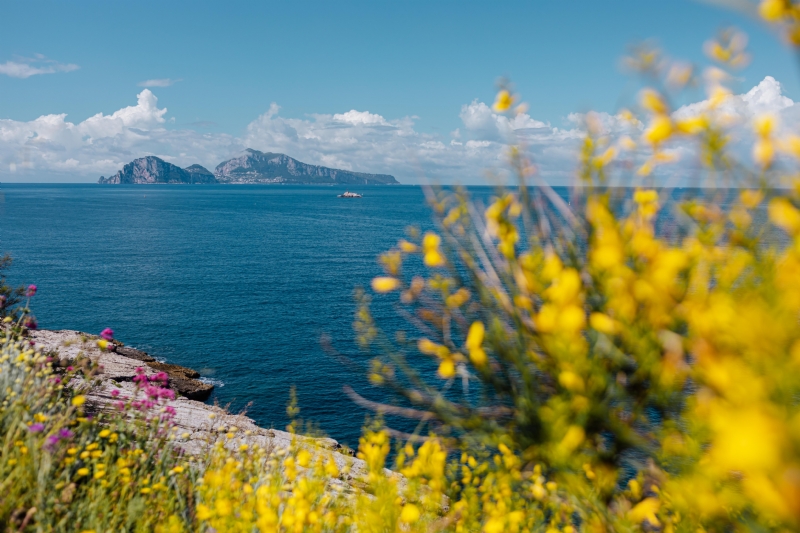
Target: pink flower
[
  {"x": 167, "y": 393},
  {"x": 30, "y": 323},
  {"x": 70, "y": 368},
  {"x": 120, "y": 406},
  {"x": 36, "y": 428},
  {"x": 31, "y": 291},
  {"x": 107, "y": 334},
  {"x": 114, "y": 393},
  {"x": 161, "y": 376}
]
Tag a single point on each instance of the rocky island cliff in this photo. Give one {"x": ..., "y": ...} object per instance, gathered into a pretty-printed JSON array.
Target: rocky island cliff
[
  {"x": 152, "y": 169},
  {"x": 251, "y": 166}
]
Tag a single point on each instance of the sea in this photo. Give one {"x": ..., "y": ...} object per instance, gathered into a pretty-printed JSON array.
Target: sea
[
  {"x": 242, "y": 283},
  {"x": 238, "y": 282}
]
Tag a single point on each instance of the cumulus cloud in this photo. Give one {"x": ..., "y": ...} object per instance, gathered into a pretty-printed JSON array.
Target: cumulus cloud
[
  {"x": 51, "y": 147},
  {"x": 766, "y": 97},
  {"x": 159, "y": 82},
  {"x": 27, "y": 67},
  {"x": 354, "y": 140}
]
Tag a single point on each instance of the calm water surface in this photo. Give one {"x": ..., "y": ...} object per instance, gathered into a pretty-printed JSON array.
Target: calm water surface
[{"x": 238, "y": 282}]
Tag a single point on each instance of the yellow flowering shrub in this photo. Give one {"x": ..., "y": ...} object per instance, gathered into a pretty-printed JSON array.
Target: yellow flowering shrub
[{"x": 594, "y": 364}]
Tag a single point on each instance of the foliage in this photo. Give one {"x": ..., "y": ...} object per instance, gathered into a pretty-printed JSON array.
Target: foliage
[
  {"x": 593, "y": 372},
  {"x": 614, "y": 376}
]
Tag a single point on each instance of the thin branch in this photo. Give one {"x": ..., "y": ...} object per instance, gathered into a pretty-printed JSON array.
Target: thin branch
[{"x": 383, "y": 408}]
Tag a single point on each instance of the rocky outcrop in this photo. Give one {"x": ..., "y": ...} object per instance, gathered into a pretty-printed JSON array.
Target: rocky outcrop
[
  {"x": 198, "y": 425},
  {"x": 253, "y": 166},
  {"x": 152, "y": 169},
  {"x": 200, "y": 174}
]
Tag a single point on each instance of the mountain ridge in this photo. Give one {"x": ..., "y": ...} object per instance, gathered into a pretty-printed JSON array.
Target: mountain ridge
[{"x": 251, "y": 166}]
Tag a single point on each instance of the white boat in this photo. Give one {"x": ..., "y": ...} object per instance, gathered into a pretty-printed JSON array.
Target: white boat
[{"x": 348, "y": 194}]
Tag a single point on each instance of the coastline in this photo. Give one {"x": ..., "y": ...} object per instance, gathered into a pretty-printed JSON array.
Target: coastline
[{"x": 197, "y": 425}]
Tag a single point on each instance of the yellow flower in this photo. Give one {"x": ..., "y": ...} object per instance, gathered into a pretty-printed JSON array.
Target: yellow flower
[
  {"x": 571, "y": 381},
  {"x": 503, "y": 102},
  {"x": 692, "y": 125},
  {"x": 653, "y": 102},
  {"x": 105, "y": 433},
  {"x": 475, "y": 335},
  {"x": 764, "y": 152},
  {"x": 406, "y": 246},
  {"x": 102, "y": 344},
  {"x": 783, "y": 214},
  {"x": 772, "y": 10},
  {"x": 646, "y": 510},
  {"x": 447, "y": 369},
  {"x": 430, "y": 245},
  {"x": 660, "y": 129},
  {"x": 626, "y": 143},
  {"x": 751, "y": 198},
  {"x": 304, "y": 458},
  {"x": 203, "y": 512},
  {"x": 645, "y": 196},
  {"x": 79, "y": 400},
  {"x": 409, "y": 514},
  {"x": 83, "y": 472},
  {"x": 383, "y": 284},
  {"x": 764, "y": 125}
]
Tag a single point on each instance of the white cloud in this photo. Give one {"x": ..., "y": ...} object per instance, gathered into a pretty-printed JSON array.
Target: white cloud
[
  {"x": 766, "y": 97},
  {"x": 360, "y": 117},
  {"x": 51, "y": 147},
  {"x": 27, "y": 67},
  {"x": 159, "y": 82}
]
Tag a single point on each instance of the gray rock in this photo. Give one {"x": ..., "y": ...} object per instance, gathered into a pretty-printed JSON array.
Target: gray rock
[
  {"x": 133, "y": 353},
  {"x": 253, "y": 166},
  {"x": 200, "y": 174},
  {"x": 152, "y": 169}
]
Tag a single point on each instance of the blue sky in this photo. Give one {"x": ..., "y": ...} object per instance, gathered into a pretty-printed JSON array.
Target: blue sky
[{"x": 413, "y": 64}]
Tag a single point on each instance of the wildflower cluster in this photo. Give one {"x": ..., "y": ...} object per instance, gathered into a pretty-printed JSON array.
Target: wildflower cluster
[
  {"x": 597, "y": 363},
  {"x": 614, "y": 376}
]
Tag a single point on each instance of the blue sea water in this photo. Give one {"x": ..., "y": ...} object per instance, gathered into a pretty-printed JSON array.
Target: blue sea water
[{"x": 238, "y": 282}]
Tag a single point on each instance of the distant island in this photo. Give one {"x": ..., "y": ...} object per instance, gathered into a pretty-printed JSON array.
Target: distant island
[{"x": 251, "y": 166}]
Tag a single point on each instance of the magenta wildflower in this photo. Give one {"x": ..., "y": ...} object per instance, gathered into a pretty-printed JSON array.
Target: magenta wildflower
[
  {"x": 36, "y": 428},
  {"x": 120, "y": 405},
  {"x": 31, "y": 291},
  {"x": 107, "y": 334},
  {"x": 53, "y": 440},
  {"x": 30, "y": 323},
  {"x": 168, "y": 394},
  {"x": 2, "y": 300},
  {"x": 114, "y": 393},
  {"x": 161, "y": 376}
]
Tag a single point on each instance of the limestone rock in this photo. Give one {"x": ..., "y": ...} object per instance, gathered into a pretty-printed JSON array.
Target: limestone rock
[
  {"x": 253, "y": 166},
  {"x": 151, "y": 169}
]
